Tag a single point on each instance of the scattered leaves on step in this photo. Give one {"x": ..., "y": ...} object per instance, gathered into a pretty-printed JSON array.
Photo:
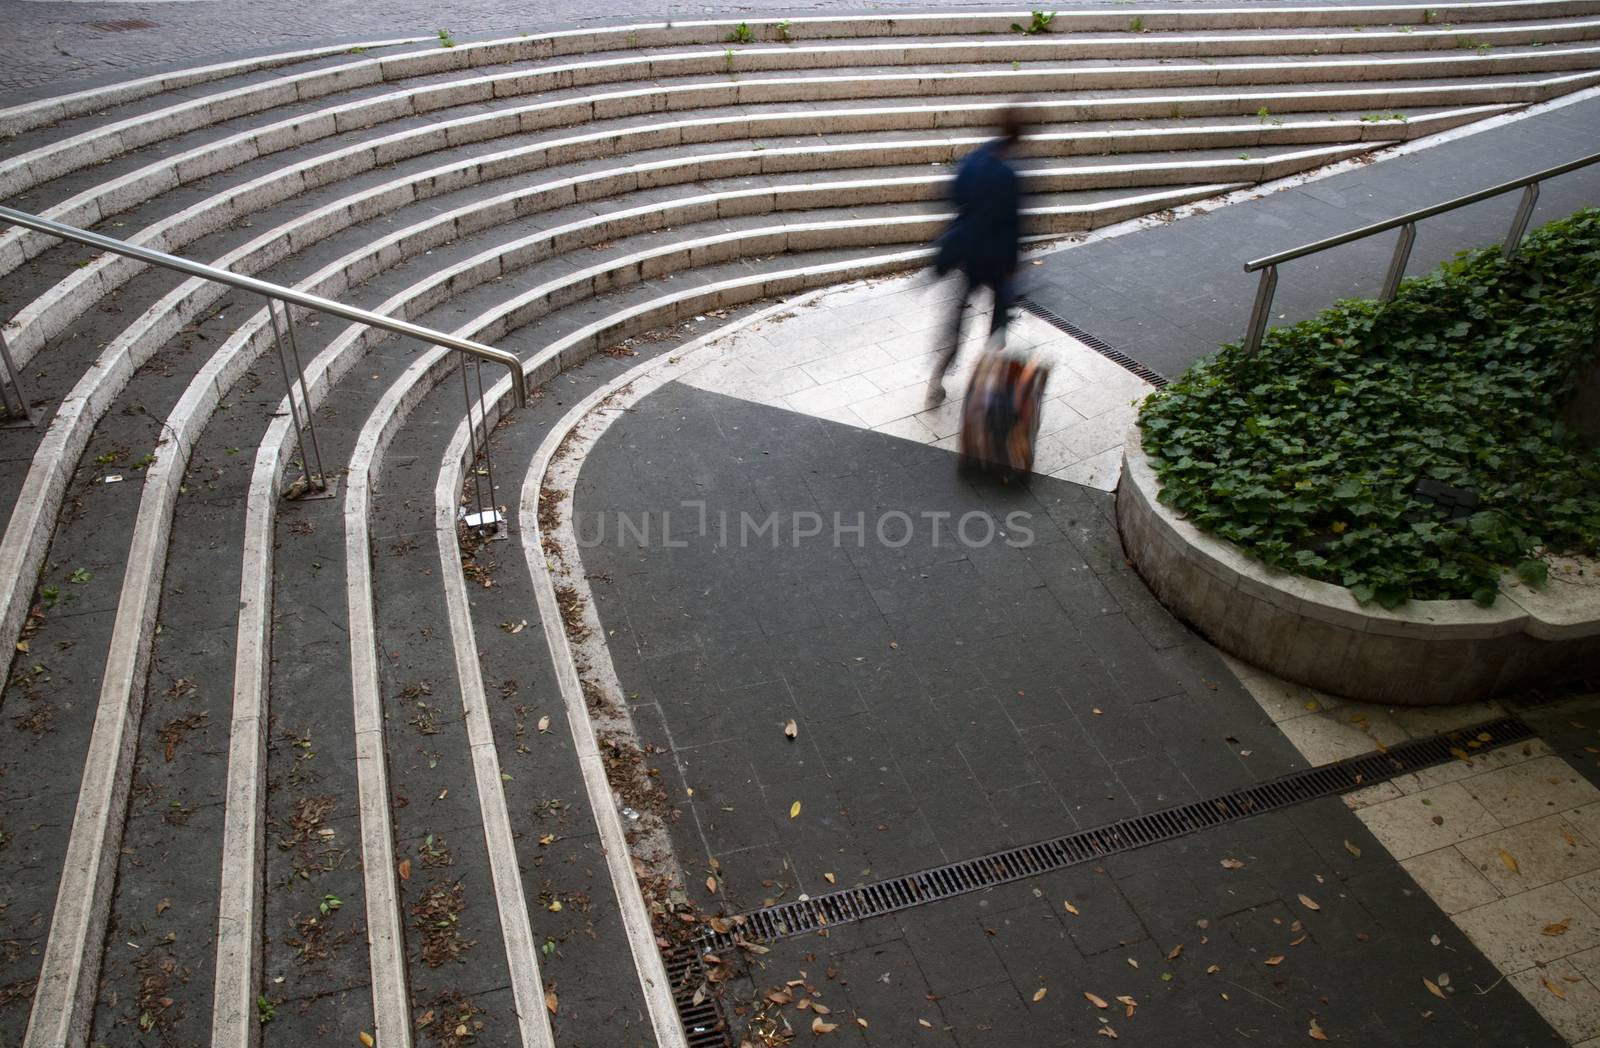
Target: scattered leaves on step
[
  {"x": 1129, "y": 1003},
  {"x": 1309, "y": 903},
  {"x": 794, "y": 810},
  {"x": 1460, "y": 754},
  {"x": 551, "y": 1001},
  {"x": 792, "y": 730},
  {"x": 1509, "y": 860},
  {"x": 1275, "y": 960},
  {"x": 1352, "y": 849},
  {"x": 1038, "y": 995},
  {"x": 1557, "y": 928},
  {"x": 1071, "y": 908},
  {"x": 1098, "y": 1002},
  {"x": 1232, "y": 864},
  {"x": 1172, "y": 954},
  {"x": 1433, "y": 988},
  {"x": 1316, "y": 1032}
]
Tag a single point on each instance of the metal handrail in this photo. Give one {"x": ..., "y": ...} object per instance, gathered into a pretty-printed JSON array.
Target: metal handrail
[
  {"x": 1407, "y": 224},
  {"x": 288, "y": 352}
]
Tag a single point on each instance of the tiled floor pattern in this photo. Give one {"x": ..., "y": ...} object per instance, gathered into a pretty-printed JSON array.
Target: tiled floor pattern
[
  {"x": 1507, "y": 841},
  {"x": 862, "y": 356}
]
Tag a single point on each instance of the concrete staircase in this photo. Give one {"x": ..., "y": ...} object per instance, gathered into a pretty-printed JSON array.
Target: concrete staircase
[{"x": 191, "y": 855}]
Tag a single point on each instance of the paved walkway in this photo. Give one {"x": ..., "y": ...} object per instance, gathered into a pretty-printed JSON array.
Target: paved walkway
[
  {"x": 1172, "y": 293},
  {"x": 863, "y": 665}
]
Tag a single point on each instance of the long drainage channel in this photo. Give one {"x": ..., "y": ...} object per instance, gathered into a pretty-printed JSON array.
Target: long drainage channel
[
  {"x": 705, "y": 1027},
  {"x": 1094, "y": 342}
]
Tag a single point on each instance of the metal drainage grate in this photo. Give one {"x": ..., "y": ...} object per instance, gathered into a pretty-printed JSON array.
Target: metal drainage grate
[
  {"x": 943, "y": 882},
  {"x": 703, "y": 1024},
  {"x": 1044, "y": 313}
]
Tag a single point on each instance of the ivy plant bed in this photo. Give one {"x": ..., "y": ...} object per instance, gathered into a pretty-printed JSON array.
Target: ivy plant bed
[{"x": 1308, "y": 455}]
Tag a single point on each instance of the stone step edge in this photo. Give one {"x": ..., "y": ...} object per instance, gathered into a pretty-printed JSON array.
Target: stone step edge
[
  {"x": 129, "y": 190},
  {"x": 58, "y": 306},
  {"x": 29, "y": 169},
  {"x": 26, "y": 116}
]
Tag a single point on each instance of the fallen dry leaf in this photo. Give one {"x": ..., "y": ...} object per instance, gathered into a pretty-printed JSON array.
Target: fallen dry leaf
[
  {"x": 1275, "y": 960},
  {"x": 1213, "y": 969},
  {"x": 1038, "y": 995},
  {"x": 1132, "y": 963},
  {"x": 1309, "y": 903},
  {"x": 1098, "y": 1002},
  {"x": 924, "y": 1022},
  {"x": 794, "y": 810},
  {"x": 1352, "y": 849},
  {"x": 1553, "y": 988},
  {"x": 1572, "y": 842},
  {"x": 366, "y": 1039},
  {"x": 544, "y": 724},
  {"x": 780, "y": 997},
  {"x": 829, "y": 878},
  {"x": 821, "y": 1009},
  {"x": 861, "y": 1022},
  {"x": 1106, "y": 1031},
  {"x": 405, "y": 869},
  {"x": 792, "y": 730},
  {"x": 1232, "y": 864},
  {"x": 1172, "y": 955},
  {"x": 551, "y": 1001},
  {"x": 711, "y": 886},
  {"x": 1558, "y": 928},
  {"x": 1097, "y": 711},
  {"x": 547, "y": 839},
  {"x": 1071, "y": 908},
  {"x": 1433, "y": 988},
  {"x": 1315, "y": 1032},
  {"x": 1129, "y": 1003},
  {"x": 1299, "y": 940},
  {"x": 1460, "y": 754},
  {"x": 163, "y": 906},
  {"x": 1509, "y": 860},
  {"x": 819, "y": 1027}
]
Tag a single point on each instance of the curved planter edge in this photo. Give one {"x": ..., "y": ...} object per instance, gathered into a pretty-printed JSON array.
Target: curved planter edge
[{"x": 1423, "y": 653}]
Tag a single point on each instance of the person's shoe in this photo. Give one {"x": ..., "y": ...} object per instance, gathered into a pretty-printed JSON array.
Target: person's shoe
[{"x": 935, "y": 393}]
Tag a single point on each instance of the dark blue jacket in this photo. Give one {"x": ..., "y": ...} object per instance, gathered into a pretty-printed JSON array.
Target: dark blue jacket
[{"x": 982, "y": 241}]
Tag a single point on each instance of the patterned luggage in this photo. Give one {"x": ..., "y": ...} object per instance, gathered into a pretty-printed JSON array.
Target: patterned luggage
[{"x": 1000, "y": 418}]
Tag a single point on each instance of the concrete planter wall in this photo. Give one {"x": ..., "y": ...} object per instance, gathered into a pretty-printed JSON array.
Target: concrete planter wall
[{"x": 1423, "y": 653}]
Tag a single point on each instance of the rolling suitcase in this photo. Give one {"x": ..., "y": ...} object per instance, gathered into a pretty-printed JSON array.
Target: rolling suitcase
[{"x": 1000, "y": 417}]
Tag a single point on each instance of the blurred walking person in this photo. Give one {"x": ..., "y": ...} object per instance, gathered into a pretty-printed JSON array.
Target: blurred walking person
[{"x": 982, "y": 242}]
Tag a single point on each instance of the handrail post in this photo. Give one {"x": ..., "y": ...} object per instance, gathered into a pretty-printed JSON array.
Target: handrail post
[
  {"x": 12, "y": 385},
  {"x": 1397, "y": 265},
  {"x": 1519, "y": 224},
  {"x": 481, "y": 519},
  {"x": 1261, "y": 310},
  {"x": 318, "y": 482}
]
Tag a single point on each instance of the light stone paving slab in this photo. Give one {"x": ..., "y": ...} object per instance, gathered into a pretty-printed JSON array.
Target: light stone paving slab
[
  {"x": 1424, "y": 822},
  {"x": 1511, "y": 932},
  {"x": 1450, "y": 880},
  {"x": 1567, "y": 1000},
  {"x": 863, "y": 356},
  {"x": 1531, "y": 790},
  {"x": 1336, "y": 734},
  {"x": 1531, "y": 855}
]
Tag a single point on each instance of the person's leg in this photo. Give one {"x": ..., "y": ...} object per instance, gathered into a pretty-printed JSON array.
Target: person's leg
[
  {"x": 1005, "y": 297},
  {"x": 952, "y": 343}
]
